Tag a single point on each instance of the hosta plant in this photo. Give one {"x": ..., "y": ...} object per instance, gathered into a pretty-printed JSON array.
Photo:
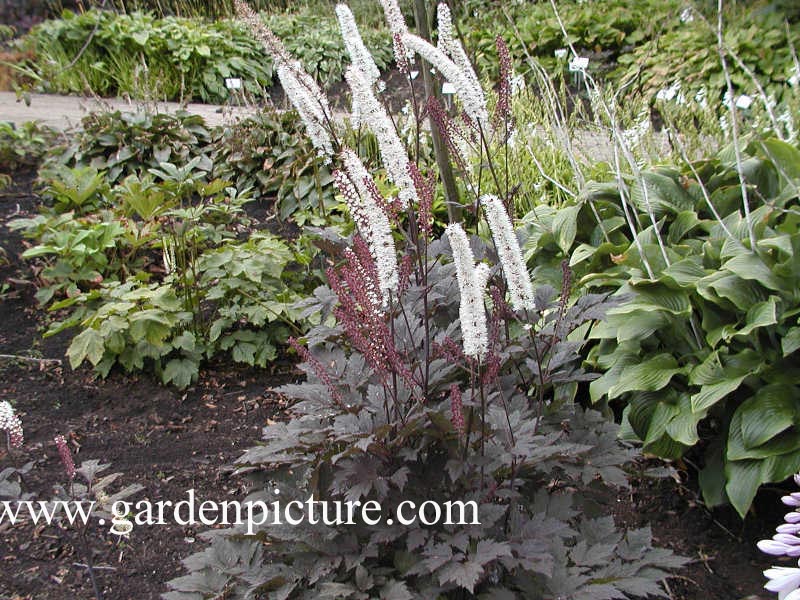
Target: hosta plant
[{"x": 704, "y": 355}]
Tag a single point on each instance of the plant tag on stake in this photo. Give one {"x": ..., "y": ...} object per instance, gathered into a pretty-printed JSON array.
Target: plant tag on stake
[
  {"x": 578, "y": 64},
  {"x": 448, "y": 88},
  {"x": 744, "y": 102},
  {"x": 233, "y": 83}
]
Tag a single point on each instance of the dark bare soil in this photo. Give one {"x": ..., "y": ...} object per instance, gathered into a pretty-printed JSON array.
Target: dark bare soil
[
  {"x": 166, "y": 440},
  {"x": 170, "y": 442}
]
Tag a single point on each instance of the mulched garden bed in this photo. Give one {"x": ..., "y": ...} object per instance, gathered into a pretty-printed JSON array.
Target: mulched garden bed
[{"x": 170, "y": 441}]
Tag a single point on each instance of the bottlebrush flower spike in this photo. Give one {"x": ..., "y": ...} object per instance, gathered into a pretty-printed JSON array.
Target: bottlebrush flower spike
[
  {"x": 374, "y": 116},
  {"x": 467, "y": 88},
  {"x": 359, "y": 55},
  {"x": 311, "y": 104},
  {"x": 457, "y": 408},
  {"x": 471, "y": 283},
  {"x": 452, "y": 47},
  {"x": 786, "y": 542},
  {"x": 520, "y": 288},
  {"x": 66, "y": 456},
  {"x": 394, "y": 17},
  {"x": 11, "y": 424},
  {"x": 372, "y": 221},
  {"x": 272, "y": 43},
  {"x": 503, "y": 108},
  {"x": 301, "y": 89}
]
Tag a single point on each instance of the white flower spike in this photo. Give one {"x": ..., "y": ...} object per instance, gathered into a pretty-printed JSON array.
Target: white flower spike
[
  {"x": 520, "y": 288},
  {"x": 471, "y": 284}
]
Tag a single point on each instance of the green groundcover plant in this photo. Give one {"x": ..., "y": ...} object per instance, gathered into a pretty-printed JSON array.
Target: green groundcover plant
[
  {"x": 431, "y": 377},
  {"x": 155, "y": 264}
]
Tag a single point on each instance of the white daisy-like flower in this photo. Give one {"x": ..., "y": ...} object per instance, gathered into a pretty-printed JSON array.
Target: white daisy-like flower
[
  {"x": 471, "y": 284},
  {"x": 520, "y": 288}
]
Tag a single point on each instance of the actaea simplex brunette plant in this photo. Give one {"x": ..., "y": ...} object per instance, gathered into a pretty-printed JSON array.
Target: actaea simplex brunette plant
[{"x": 440, "y": 376}]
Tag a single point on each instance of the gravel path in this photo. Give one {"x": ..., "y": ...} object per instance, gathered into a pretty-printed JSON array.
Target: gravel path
[{"x": 66, "y": 111}]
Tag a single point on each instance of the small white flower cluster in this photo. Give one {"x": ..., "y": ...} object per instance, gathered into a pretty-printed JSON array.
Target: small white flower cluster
[
  {"x": 635, "y": 134},
  {"x": 372, "y": 221},
  {"x": 10, "y": 423},
  {"x": 673, "y": 92},
  {"x": 794, "y": 78},
  {"x": 310, "y": 103},
  {"x": 394, "y": 17},
  {"x": 301, "y": 89},
  {"x": 520, "y": 288},
  {"x": 452, "y": 47},
  {"x": 359, "y": 55},
  {"x": 785, "y": 580},
  {"x": 472, "y": 280},
  {"x": 466, "y": 85},
  {"x": 374, "y": 116}
]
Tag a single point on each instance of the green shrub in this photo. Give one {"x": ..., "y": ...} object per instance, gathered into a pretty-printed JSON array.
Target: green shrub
[
  {"x": 269, "y": 155},
  {"x": 688, "y": 54},
  {"x": 316, "y": 41},
  {"x": 130, "y": 143},
  {"x": 145, "y": 258},
  {"x": 702, "y": 357},
  {"x": 25, "y": 146},
  {"x": 533, "y": 29},
  {"x": 145, "y": 57}
]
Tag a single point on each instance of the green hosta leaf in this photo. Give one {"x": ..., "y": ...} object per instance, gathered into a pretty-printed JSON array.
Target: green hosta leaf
[
  {"x": 88, "y": 344},
  {"x": 658, "y": 295},
  {"x": 663, "y": 195},
  {"x": 785, "y": 156},
  {"x": 772, "y": 410},
  {"x": 685, "y": 273},
  {"x": 581, "y": 253},
  {"x": 638, "y": 325},
  {"x": 683, "y": 224},
  {"x": 791, "y": 341},
  {"x": 565, "y": 227},
  {"x": 780, "y": 467},
  {"x": 713, "y": 393},
  {"x": 741, "y": 293},
  {"x": 744, "y": 478},
  {"x": 712, "y": 476},
  {"x": 716, "y": 381},
  {"x": 650, "y": 375},
  {"x": 683, "y": 426},
  {"x": 751, "y": 267},
  {"x": 762, "y": 314}
]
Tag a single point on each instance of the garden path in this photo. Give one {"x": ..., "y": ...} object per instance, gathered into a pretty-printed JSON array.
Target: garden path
[{"x": 65, "y": 111}]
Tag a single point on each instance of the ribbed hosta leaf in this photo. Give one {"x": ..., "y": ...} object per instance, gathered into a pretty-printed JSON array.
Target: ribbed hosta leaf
[{"x": 650, "y": 375}]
